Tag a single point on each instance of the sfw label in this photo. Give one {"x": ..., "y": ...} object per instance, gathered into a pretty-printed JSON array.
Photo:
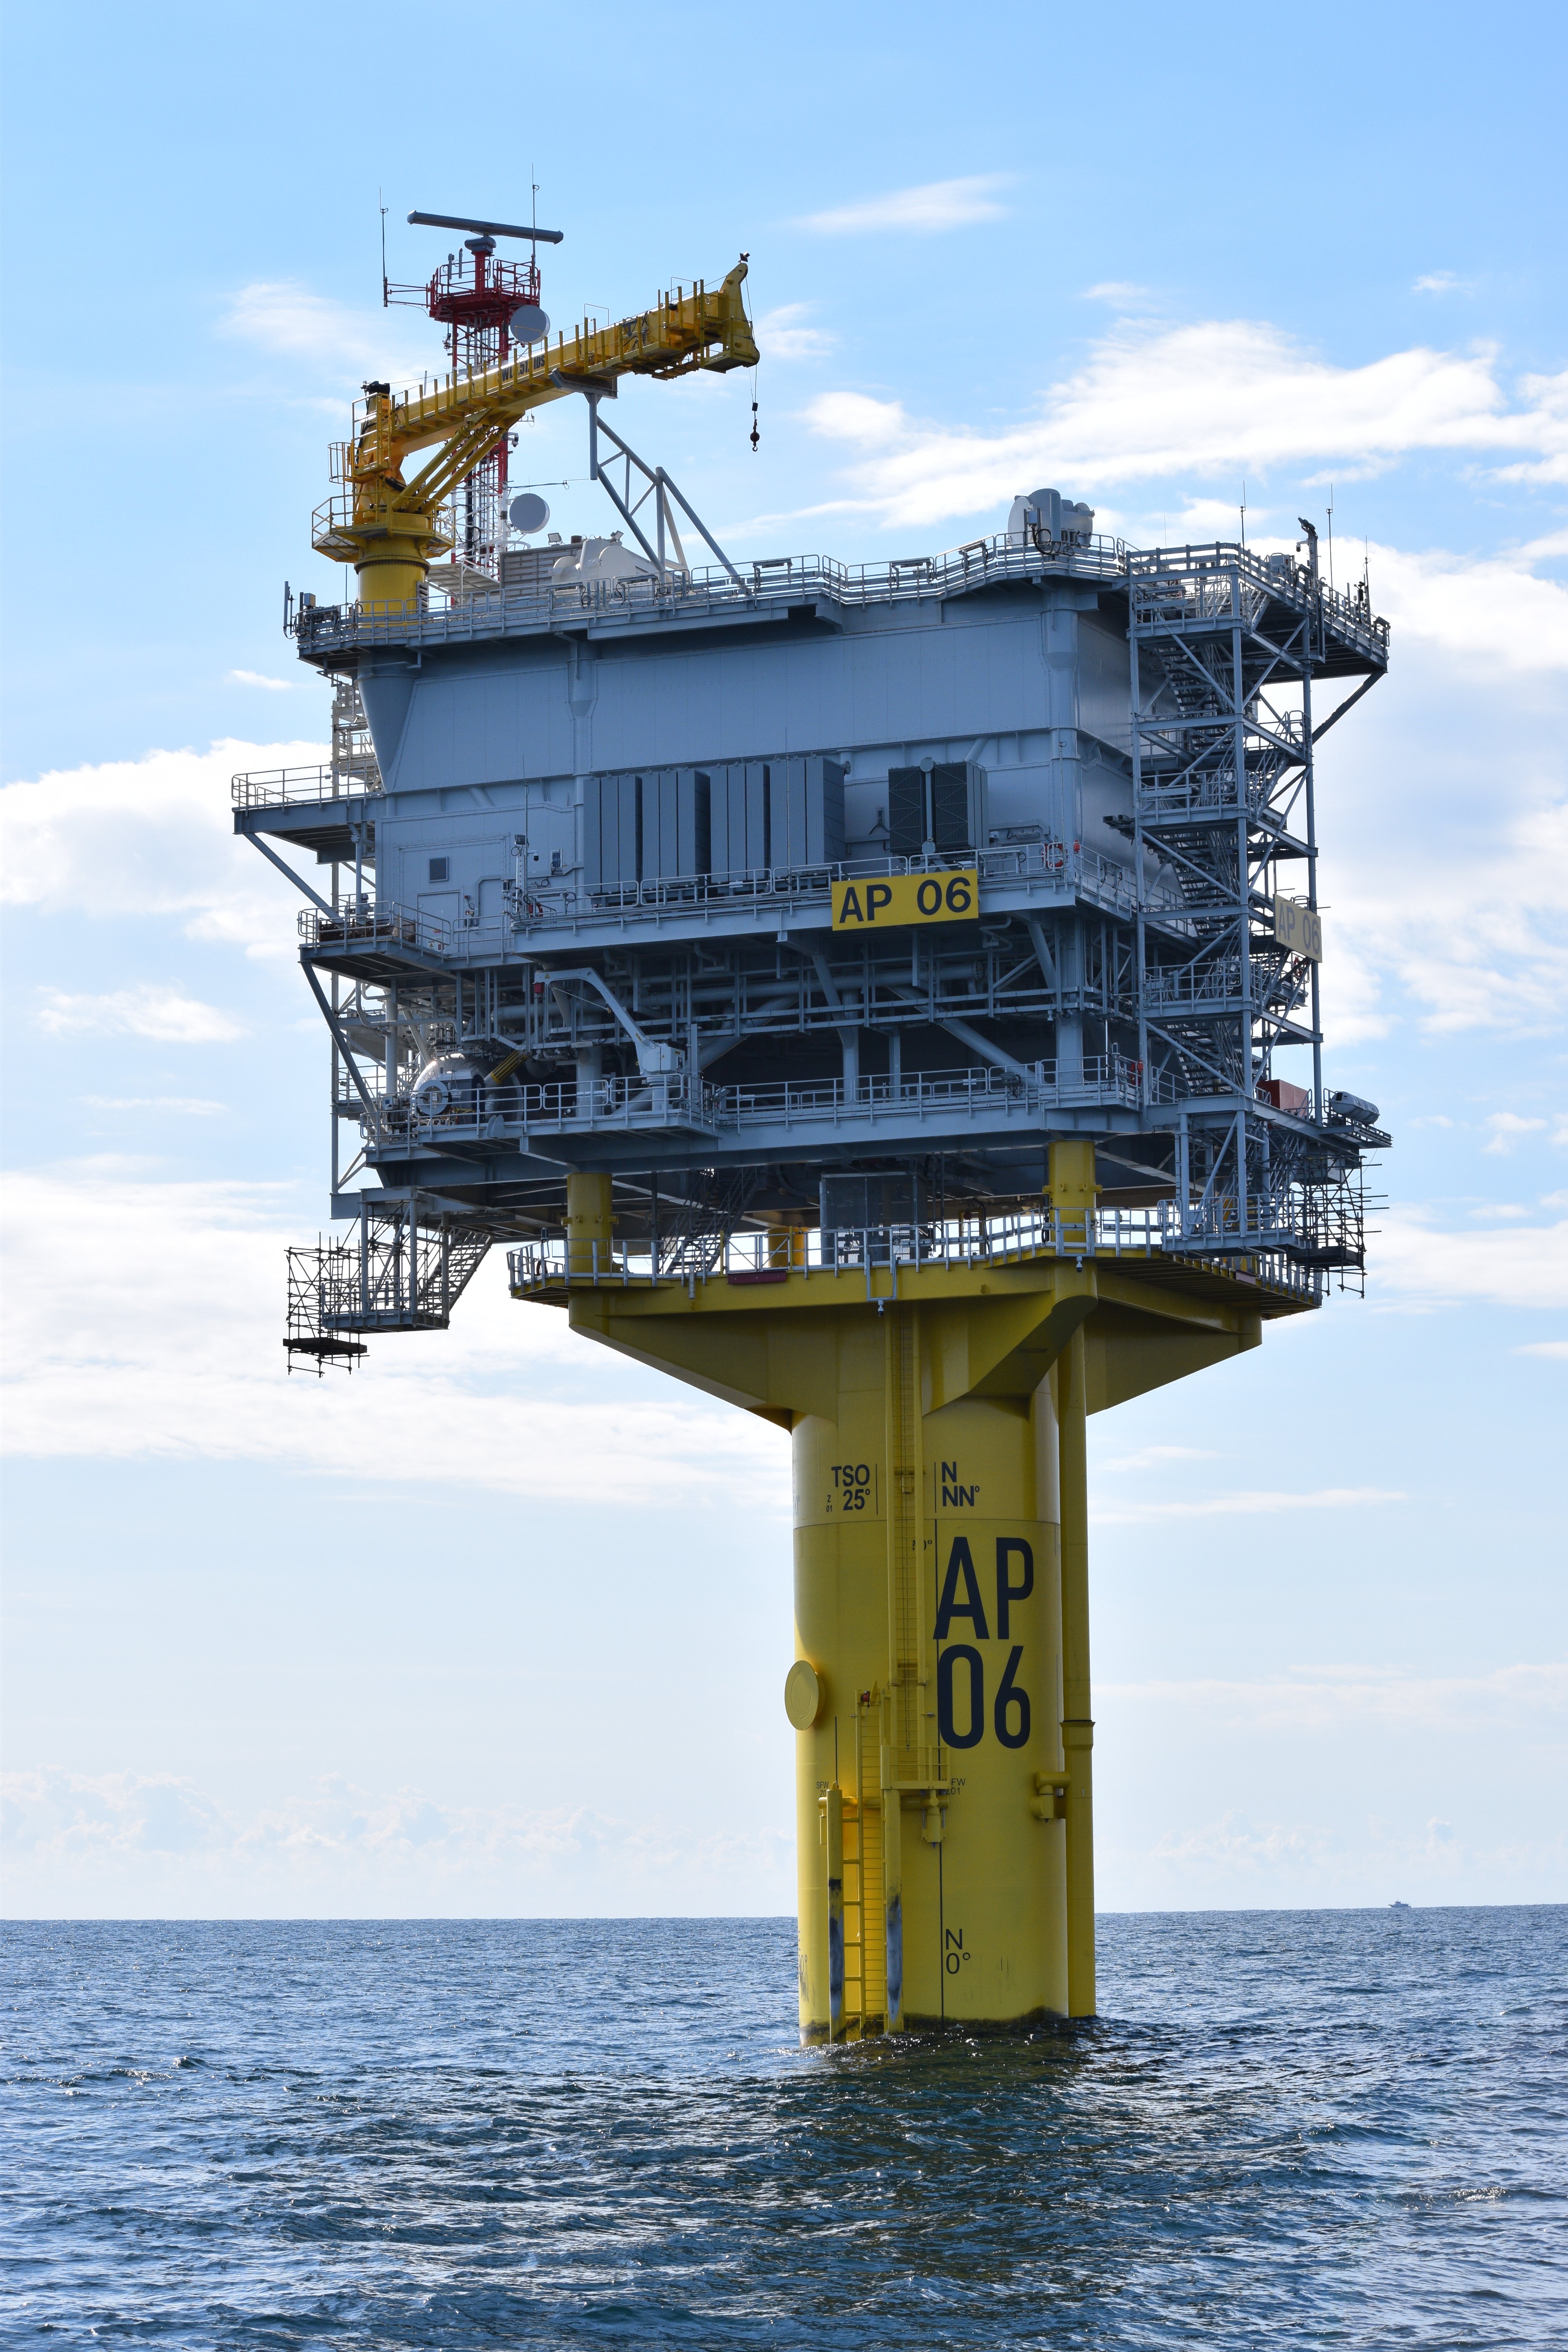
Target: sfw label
[
  {"x": 966, "y": 1679},
  {"x": 887, "y": 901},
  {"x": 1298, "y": 927}
]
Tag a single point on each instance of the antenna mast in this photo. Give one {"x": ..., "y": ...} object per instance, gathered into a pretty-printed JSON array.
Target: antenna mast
[{"x": 486, "y": 306}]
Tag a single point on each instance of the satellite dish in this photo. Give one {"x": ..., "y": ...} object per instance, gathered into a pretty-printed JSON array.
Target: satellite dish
[
  {"x": 529, "y": 323},
  {"x": 528, "y": 512}
]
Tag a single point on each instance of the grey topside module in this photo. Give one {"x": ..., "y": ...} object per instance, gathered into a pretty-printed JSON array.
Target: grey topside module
[{"x": 593, "y": 861}]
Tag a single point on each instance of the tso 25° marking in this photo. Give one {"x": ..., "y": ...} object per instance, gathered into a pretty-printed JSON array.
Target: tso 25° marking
[{"x": 854, "y": 1487}]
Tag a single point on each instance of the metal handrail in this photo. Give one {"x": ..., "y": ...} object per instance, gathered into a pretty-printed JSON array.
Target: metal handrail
[
  {"x": 285, "y": 787},
  {"x": 1158, "y": 579},
  {"x": 679, "y": 1099},
  {"x": 773, "y": 581},
  {"x": 1053, "y": 864},
  {"x": 1114, "y": 1078},
  {"x": 554, "y": 1263},
  {"x": 531, "y": 906},
  {"x": 1195, "y": 582},
  {"x": 362, "y": 924}
]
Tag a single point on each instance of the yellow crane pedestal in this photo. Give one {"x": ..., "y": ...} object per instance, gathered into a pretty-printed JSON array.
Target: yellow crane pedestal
[{"x": 941, "y": 1691}]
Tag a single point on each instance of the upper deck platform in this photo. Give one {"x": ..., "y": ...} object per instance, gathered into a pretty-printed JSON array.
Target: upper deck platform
[{"x": 1193, "y": 589}]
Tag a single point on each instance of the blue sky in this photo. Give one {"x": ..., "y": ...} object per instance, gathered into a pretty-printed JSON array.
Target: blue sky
[{"x": 500, "y": 1626}]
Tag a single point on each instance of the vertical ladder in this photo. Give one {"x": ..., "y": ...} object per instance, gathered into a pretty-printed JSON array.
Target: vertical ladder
[
  {"x": 907, "y": 1735},
  {"x": 857, "y": 1837},
  {"x": 852, "y": 2024},
  {"x": 873, "y": 1953},
  {"x": 859, "y": 1909},
  {"x": 854, "y": 1848}
]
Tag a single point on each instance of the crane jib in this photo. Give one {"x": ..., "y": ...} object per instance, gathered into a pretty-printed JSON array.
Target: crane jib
[{"x": 462, "y": 417}]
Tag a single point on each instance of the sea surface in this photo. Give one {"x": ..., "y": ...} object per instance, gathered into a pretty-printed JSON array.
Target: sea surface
[{"x": 1286, "y": 2129}]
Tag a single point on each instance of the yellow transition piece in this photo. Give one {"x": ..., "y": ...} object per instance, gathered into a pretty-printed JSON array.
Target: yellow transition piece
[{"x": 940, "y": 1694}]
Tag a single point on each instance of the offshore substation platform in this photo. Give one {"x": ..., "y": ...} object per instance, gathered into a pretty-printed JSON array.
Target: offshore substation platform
[{"x": 858, "y": 991}]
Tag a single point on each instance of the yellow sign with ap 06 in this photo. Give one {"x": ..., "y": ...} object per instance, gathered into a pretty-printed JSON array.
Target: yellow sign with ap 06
[{"x": 884, "y": 901}]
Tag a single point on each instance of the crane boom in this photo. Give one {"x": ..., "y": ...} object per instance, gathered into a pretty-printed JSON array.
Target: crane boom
[{"x": 387, "y": 526}]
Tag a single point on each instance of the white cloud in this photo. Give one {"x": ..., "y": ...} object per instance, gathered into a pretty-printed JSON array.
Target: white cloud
[
  {"x": 1487, "y": 613},
  {"x": 1555, "y": 1350},
  {"x": 344, "y": 344},
  {"x": 1550, "y": 395},
  {"x": 151, "y": 837},
  {"x": 1324, "y": 1698},
  {"x": 164, "y": 1340},
  {"x": 1508, "y": 1129},
  {"x": 175, "y": 1106},
  {"x": 1222, "y": 397},
  {"x": 855, "y": 416},
  {"x": 1517, "y": 1265},
  {"x": 147, "y": 1010},
  {"x": 940, "y": 205},
  {"x": 1439, "y": 281},
  {"x": 1115, "y": 289},
  {"x": 1156, "y": 1457},
  {"x": 1444, "y": 820},
  {"x": 258, "y": 678},
  {"x": 782, "y": 334},
  {"x": 284, "y": 316},
  {"x": 1335, "y": 1783},
  {"x": 1246, "y": 1505},
  {"x": 1354, "y": 1859},
  {"x": 151, "y": 1843}
]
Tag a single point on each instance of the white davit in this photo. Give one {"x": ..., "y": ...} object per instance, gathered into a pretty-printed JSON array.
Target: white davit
[{"x": 600, "y": 559}]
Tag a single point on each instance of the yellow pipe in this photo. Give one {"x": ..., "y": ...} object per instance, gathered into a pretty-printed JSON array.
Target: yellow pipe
[
  {"x": 1078, "y": 1723},
  {"x": 589, "y": 1224},
  {"x": 893, "y": 1908},
  {"x": 832, "y": 1861},
  {"x": 1072, "y": 1197}
]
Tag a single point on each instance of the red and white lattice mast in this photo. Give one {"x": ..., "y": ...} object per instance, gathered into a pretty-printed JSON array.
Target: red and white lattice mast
[{"x": 487, "y": 308}]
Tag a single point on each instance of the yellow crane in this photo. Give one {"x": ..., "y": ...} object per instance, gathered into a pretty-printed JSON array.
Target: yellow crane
[{"x": 388, "y": 528}]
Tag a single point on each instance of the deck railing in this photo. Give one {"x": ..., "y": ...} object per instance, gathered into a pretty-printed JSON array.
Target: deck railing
[
  {"x": 791, "y": 579},
  {"x": 677, "y": 1100},
  {"x": 531, "y": 907},
  {"x": 1173, "y": 586},
  {"x": 1216, "y": 582},
  {"x": 1262, "y": 1255},
  {"x": 286, "y": 787}
]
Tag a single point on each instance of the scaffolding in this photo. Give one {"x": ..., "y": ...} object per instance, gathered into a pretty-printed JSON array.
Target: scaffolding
[{"x": 404, "y": 1269}]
